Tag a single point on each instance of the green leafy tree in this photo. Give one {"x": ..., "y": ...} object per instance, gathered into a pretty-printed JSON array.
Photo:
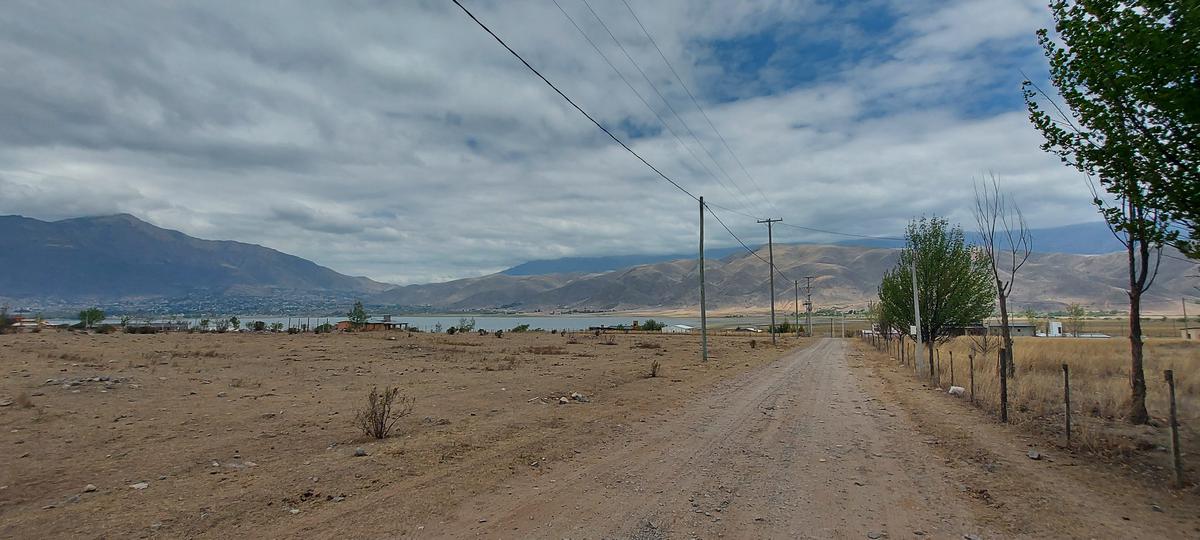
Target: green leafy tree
[
  {"x": 357, "y": 316},
  {"x": 235, "y": 323},
  {"x": 91, "y": 316},
  {"x": 1126, "y": 71},
  {"x": 125, "y": 320},
  {"x": 1075, "y": 315},
  {"x": 652, "y": 325},
  {"x": 954, "y": 282}
]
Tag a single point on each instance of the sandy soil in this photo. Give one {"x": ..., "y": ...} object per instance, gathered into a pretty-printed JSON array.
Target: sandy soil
[
  {"x": 249, "y": 436},
  {"x": 233, "y": 433}
]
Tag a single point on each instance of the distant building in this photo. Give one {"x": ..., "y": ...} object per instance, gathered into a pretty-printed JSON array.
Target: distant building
[
  {"x": 677, "y": 329},
  {"x": 1190, "y": 334},
  {"x": 1014, "y": 329},
  {"x": 373, "y": 324}
]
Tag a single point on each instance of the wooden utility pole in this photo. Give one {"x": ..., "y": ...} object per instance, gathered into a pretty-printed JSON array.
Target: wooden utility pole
[
  {"x": 808, "y": 305},
  {"x": 797, "y": 304},
  {"x": 703, "y": 311},
  {"x": 771, "y": 262},
  {"x": 917, "y": 314}
]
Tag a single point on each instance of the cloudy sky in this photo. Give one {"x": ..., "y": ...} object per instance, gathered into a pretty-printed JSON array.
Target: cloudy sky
[{"x": 398, "y": 140}]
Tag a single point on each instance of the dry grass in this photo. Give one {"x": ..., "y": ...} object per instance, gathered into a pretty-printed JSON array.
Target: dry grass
[{"x": 1099, "y": 370}]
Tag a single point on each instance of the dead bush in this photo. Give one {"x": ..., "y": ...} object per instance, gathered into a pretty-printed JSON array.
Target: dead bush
[
  {"x": 546, "y": 349},
  {"x": 382, "y": 411},
  {"x": 647, "y": 345},
  {"x": 655, "y": 366}
]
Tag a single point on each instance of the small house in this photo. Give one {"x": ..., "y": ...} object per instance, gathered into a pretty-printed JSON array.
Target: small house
[
  {"x": 1190, "y": 334},
  {"x": 677, "y": 329},
  {"x": 1014, "y": 329},
  {"x": 373, "y": 324}
]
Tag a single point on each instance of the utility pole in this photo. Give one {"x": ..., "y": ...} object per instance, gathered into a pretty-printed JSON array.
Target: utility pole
[
  {"x": 808, "y": 305},
  {"x": 771, "y": 262},
  {"x": 916, "y": 312},
  {"x": 797, "y": 304},
  {"x": 703, "y": 312}
]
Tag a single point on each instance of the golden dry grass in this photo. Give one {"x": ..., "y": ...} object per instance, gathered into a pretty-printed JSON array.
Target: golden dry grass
[{"x": 1100, "y": 388}]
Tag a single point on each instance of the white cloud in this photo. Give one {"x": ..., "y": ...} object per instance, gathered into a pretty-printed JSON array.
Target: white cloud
[{"x": 399, "y": 141}]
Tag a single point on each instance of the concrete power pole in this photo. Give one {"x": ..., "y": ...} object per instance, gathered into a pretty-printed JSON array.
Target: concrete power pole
[
  {"x": 808, "y": 305},
  {"x": 703, "y": 312},
  {"x": 916, "y": 311},
  {"x": 771, "y": 262}
]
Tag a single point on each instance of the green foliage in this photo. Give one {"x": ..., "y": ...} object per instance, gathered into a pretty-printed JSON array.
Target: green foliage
[
  {"x": 277, "y": 326},
  {"x": 259, "y": 326},
  {"x": 954, "y": 283},
  {"x": 5, "y": 321},
  {"x": 324, "y": 328},
  {"x": 1126, "y": 71},
  {"x": 652, "y": 325},
  {"x": 126, "y": 318},
  {"x": 357, "y": 316},
  {"x": 520, "y": 328},
  {"x": 452, "y": 330},
  {"x": 235, "y": 323},
  {"x": 91, "y": 316},
  {"x": 784, "y": 328},
  {"x": 1075, "y": 315}
]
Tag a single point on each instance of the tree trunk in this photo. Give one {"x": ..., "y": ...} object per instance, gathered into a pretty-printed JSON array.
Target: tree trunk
[
  {"x": 1137, "y": 378},
  {"x": 1005, "y": 332}
]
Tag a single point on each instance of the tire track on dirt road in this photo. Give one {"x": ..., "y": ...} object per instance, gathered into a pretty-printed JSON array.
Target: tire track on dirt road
[{"x": 794, "y": 449}]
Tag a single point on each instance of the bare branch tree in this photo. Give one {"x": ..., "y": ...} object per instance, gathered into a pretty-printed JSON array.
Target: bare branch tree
[{"x": 1007, "y": 244}]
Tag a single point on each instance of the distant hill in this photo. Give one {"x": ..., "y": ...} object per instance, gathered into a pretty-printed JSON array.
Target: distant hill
[
  {"x": 846, "y": 276},
  {"x": 120, "y": 256},
  {"x": 603, "y": 263},
  {"x": 1079, "y": 239}
]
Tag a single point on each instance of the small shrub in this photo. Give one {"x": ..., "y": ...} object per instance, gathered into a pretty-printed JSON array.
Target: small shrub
[
  {"x": 520, "y": 328},
  {"x": 382, "y": 411},
  {"x": 655, "y": 366},
  {"x": 482, "y": 332},
  {"x": 648, "y": 345},
  {"x": 499, "y": 334},
  {"x": 452, "y": 330}
]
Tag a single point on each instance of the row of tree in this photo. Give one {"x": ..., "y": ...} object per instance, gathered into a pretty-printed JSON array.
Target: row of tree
[{"x": 1127, "y": 73}]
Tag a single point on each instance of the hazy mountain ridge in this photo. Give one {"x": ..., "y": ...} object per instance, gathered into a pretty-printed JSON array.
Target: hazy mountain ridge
[
  {"x": 121, "y": 256},
  {"x": 845, "y": 276}
]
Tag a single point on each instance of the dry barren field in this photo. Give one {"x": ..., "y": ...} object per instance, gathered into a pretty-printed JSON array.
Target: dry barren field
[{"x": 240, "y": 434}]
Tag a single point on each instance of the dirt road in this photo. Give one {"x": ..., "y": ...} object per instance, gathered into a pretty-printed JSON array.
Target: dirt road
[{"x": 795, "y": 449}]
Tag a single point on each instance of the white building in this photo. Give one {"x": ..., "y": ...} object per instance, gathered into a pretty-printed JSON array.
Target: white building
[{"x": 677, "y": 329}]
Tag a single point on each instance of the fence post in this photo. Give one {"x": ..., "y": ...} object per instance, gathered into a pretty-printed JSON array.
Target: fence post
[
  {"x": 951, "y": 367},
  {"x": 1003, "y": 386},
  {"x": 1067, "y": 399},
  {"x": 937, "y": 378},
  {"x": 1170, "y": 376},
  {"x": 971, "y": 368}
]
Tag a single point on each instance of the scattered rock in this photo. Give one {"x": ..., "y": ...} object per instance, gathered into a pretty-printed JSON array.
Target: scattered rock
[
  {"x": 90, "y": 488},
  {"x": 1156, "y": 508},
  {"x": 359, "y": 452},
  {"x": 579, "y": 397},
  {"x": 139, "y": 485},
  {"x": 971, "y": 537},
  {"x": 222, "y": 394},
  {"x": 563, "y": 400},
  {"x": 6, "y": 402},
  {"x": 1034, "y": 455},
  {"x": 873, "y": 535},
  {"x": 957, "y": 390}
]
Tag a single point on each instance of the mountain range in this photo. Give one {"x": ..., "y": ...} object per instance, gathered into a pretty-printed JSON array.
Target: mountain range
[
  {"x": 120, "y": 256},
  {"x": 116, "y": 258}
]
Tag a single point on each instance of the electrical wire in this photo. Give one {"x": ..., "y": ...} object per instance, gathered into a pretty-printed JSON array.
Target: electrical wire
[
  {"x": 701, "y": 109},
  {"x": 572, "y": 102}
]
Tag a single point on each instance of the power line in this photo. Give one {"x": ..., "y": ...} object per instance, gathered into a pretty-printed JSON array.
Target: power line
[
  {"x": 814, "y": 229},
  {"x": 664, "y": 99},
  {"x": 743, "y": 244},
  {"x": 698, "y": 107},
  {"x": 569, "y": 100},
  {"x": 644, "y": 101}
]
